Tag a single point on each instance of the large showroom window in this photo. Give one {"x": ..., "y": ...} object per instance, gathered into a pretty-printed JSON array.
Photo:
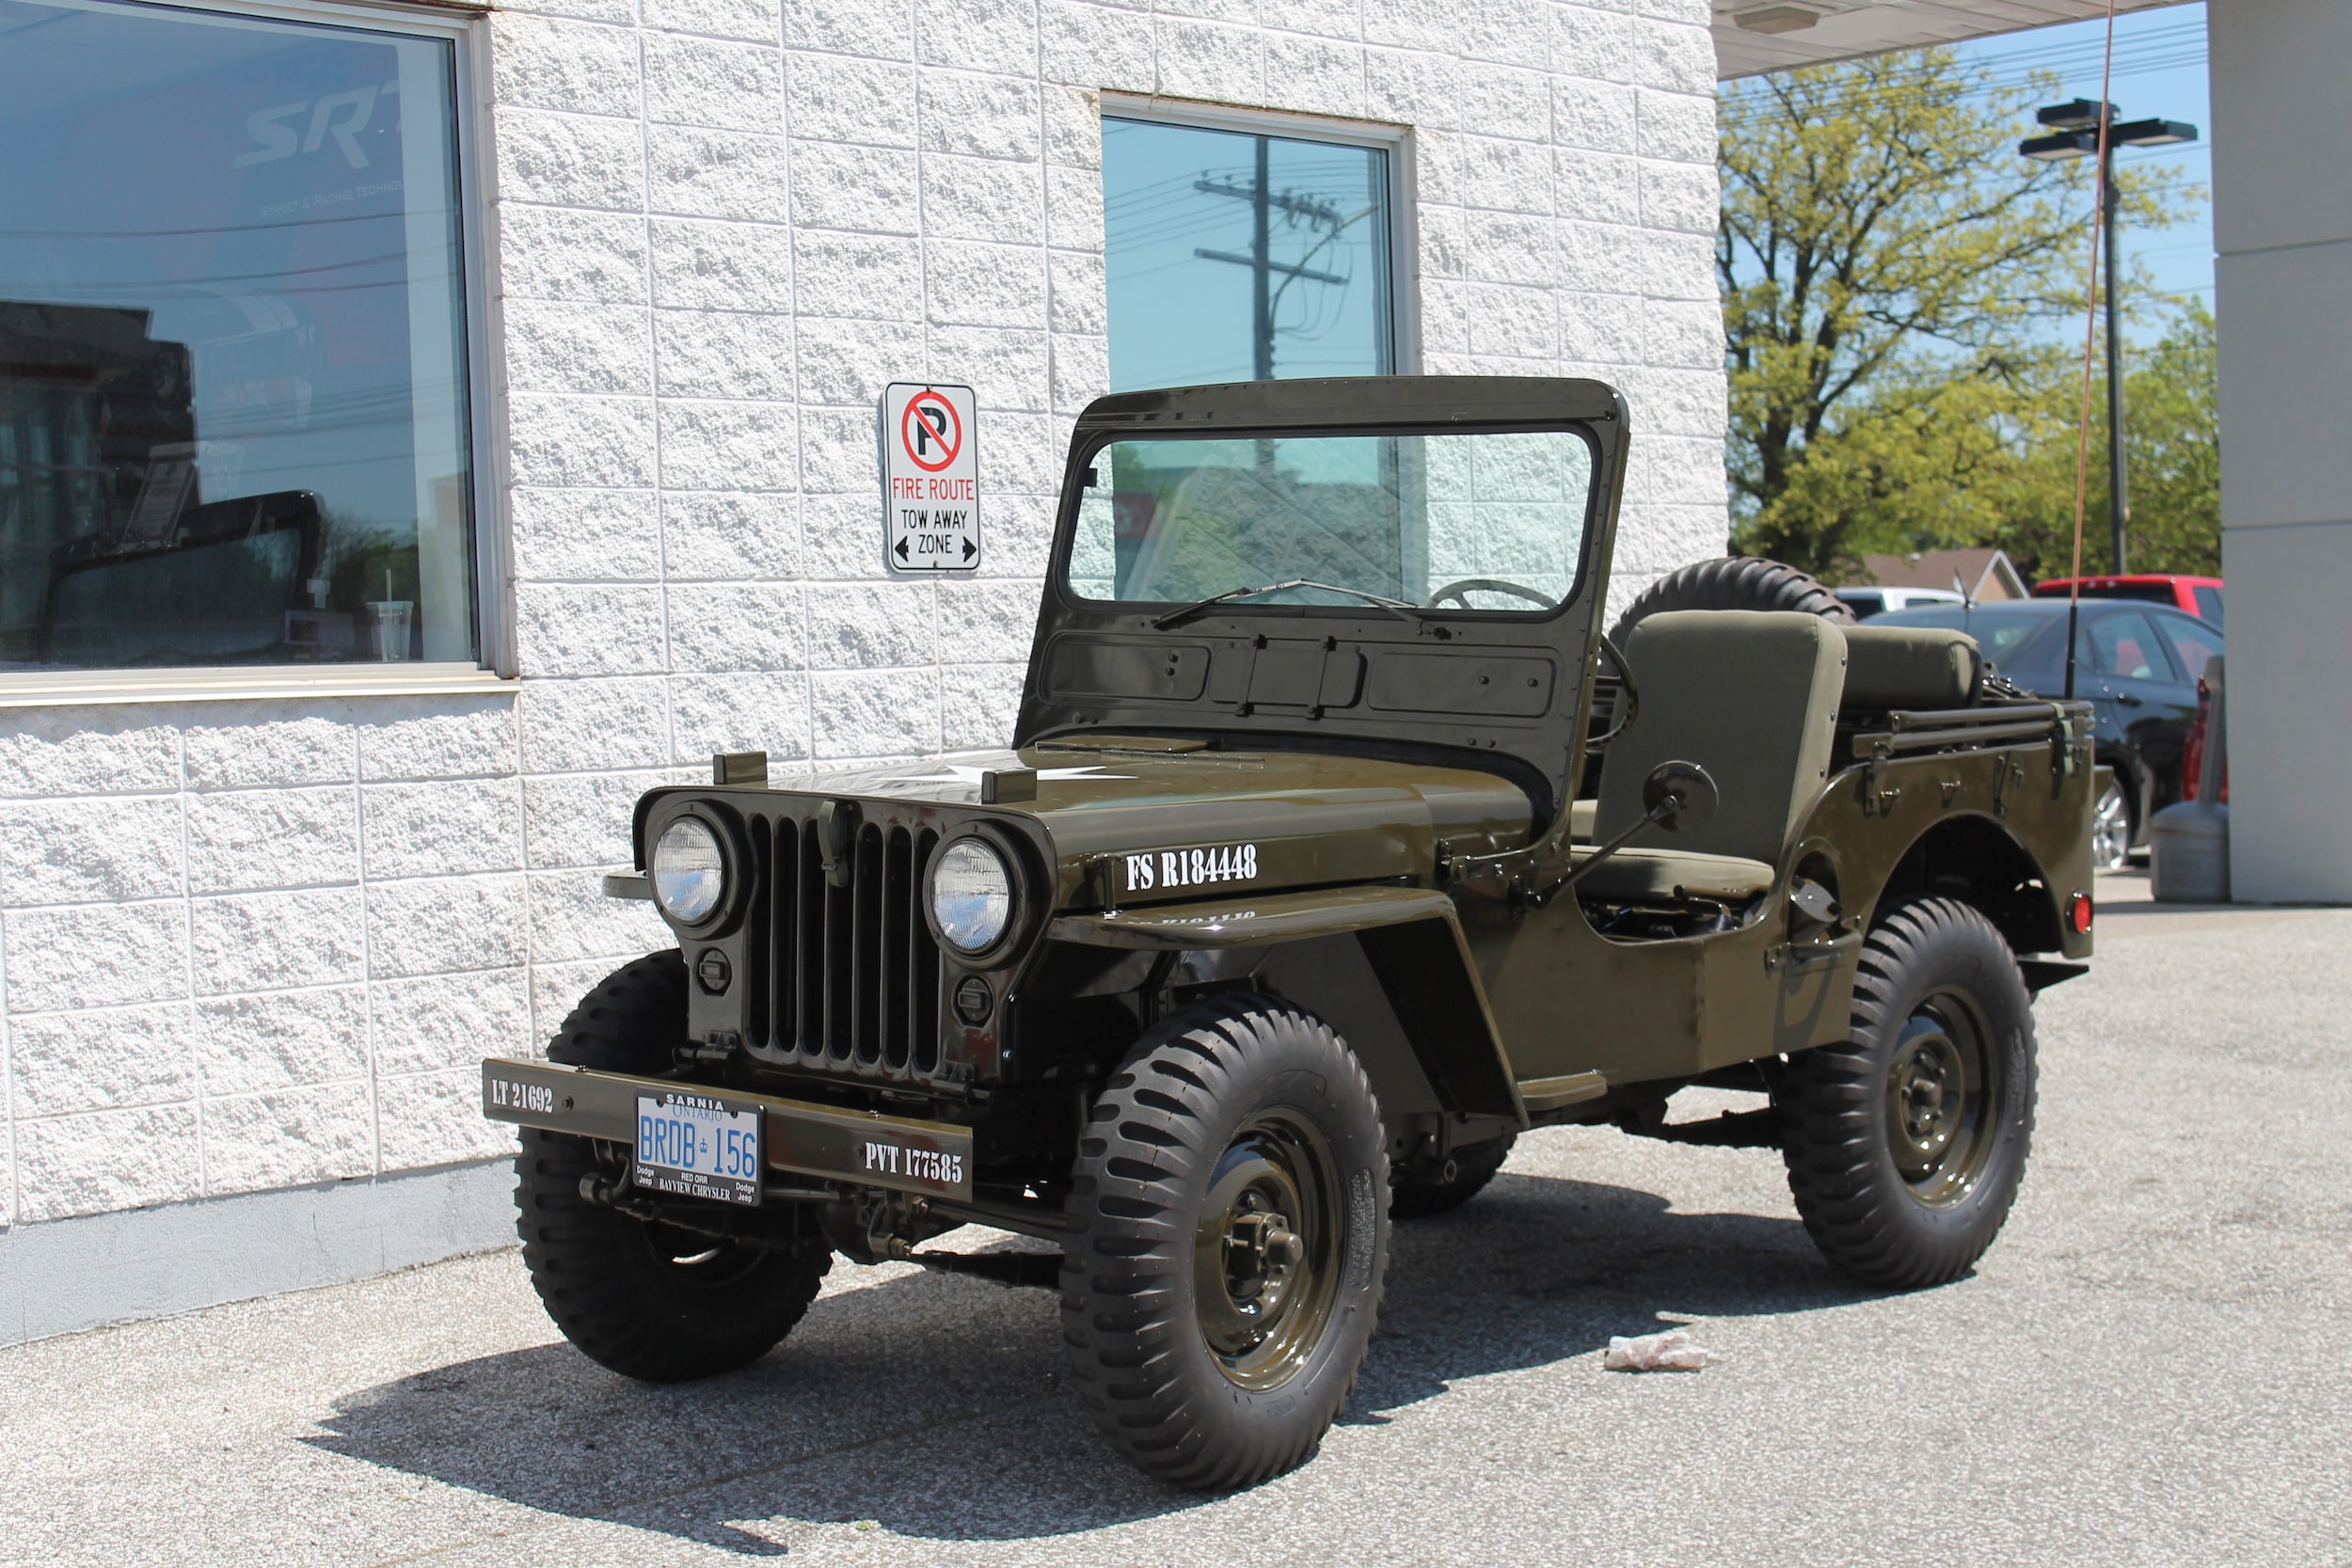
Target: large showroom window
[
  {"x": 1235, "y": 255},
  {"x": 234, "y": 420}
]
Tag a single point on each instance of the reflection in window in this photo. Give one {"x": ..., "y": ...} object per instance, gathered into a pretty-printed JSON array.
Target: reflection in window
[
  {"x": 1478, "y": 521},
  {"x": 2122, "y": 645},
  {"x": 1234, "y": 257},
  {"x": 2193, "y": 646},
  {"x": 232, "y": 408}
]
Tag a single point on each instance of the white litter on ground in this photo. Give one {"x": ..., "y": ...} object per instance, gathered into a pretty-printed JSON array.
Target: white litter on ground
[{"x": 1670, "y": 1352}]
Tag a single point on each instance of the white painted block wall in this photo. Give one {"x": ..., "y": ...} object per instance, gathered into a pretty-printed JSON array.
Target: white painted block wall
[
  {"x": 2282, "y": 231},
  {"x": 247, "y": 945}
]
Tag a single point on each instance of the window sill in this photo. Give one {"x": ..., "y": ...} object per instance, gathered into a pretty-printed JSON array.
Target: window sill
[{"x": 77, "y": 687}]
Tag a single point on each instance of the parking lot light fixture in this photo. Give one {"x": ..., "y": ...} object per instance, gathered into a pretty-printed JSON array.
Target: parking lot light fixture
[{"x": 2075, "y": 128}]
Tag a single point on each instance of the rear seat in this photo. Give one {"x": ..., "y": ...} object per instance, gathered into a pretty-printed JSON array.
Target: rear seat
[
  {"x": 1750, "y": 696},
  {"x": 1922, "y": 667}
]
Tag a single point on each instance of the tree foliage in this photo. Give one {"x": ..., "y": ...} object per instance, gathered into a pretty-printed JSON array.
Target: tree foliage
[
  {"x": 1894, "y": 278},
  {"x": 2171, "y": 415}
]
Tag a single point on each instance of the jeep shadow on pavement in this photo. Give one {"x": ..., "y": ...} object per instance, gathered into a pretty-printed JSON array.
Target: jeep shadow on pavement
[
  {"x": 882, "y": 1390},
  {"x": 1337, "y": 845}
]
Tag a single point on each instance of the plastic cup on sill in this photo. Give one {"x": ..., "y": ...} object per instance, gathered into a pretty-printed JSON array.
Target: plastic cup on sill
[{"x": 388, "y": 620}]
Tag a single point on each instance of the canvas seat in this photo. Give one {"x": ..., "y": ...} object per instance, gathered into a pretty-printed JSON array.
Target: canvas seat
[
  {"x": 1653, "y": 875},
  {"x": 1750, "y": 696},
  {"x": 1926, "y": 669}
]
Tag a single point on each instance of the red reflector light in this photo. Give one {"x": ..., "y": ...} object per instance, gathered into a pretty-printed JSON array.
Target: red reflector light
[{"x": 2078, "y": 913}]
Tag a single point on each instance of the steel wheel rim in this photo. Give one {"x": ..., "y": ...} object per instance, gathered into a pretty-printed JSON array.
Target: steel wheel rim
[
  {"x": 2110, "y": 829},
  {"x": 1942, "y": 1099},
  {"x": 1265, "y": 1256}
]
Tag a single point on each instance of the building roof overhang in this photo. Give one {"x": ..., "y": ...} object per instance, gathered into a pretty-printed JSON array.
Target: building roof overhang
[{"x": 1756, "y": 36}]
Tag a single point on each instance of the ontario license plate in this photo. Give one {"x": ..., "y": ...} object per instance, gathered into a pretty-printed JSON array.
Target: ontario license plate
[{"x": 699, "y": 1145}]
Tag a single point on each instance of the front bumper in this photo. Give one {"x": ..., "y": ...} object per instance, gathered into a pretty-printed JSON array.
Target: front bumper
[{"x": 863, "y": 1148}]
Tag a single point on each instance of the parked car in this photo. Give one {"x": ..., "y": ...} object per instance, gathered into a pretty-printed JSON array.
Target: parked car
[
  {"x": 2191, "y": 596},
  {"x": 2193, "y": 754},
  {"x": 2137, "y": 663},
  {"x": 1872, "y": 600}
]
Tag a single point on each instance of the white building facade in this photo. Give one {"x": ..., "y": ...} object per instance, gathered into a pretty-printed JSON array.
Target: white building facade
[{"x": 261, "y": 915}]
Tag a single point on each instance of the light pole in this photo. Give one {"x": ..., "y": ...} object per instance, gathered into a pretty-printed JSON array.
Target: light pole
[{"x": 2075, "y": 134}]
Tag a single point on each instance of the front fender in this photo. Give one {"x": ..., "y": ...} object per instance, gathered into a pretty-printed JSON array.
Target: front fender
[{"x": 1412, "y": 939}]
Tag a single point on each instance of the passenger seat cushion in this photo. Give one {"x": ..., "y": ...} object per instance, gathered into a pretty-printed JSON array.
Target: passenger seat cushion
[
  {"x": 1924, "y": 668},
  {"x": 1749, "y": 695}
]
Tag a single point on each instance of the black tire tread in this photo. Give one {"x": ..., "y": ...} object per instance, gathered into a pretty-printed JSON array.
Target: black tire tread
[
  {"x": 1475, "y": 1168},
  {"x": 1121, "y": 1319},
  {"x": 1828, "y": 1099},
  {"x": 580, "y": 1254},
  {"x": 1733, "y": 582}
]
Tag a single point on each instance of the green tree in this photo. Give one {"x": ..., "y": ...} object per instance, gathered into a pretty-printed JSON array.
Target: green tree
[
  {"x": 1890, "y": 272},
  {"x": 2172, "y": 440}
]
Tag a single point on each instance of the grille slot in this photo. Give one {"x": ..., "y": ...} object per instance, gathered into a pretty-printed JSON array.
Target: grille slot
[{"x": 852, "y": 971}]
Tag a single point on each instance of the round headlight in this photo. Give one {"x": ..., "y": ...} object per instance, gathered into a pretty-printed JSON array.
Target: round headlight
[
  {"x": 972, "y": 895},
  {"x": 690, "y": 876}
]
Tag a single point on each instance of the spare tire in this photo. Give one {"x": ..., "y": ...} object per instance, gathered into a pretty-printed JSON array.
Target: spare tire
[{"x": 1733, "y": 582}]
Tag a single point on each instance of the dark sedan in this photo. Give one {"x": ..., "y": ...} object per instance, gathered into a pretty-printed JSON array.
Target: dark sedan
[{"x": 2139, "y": 664}]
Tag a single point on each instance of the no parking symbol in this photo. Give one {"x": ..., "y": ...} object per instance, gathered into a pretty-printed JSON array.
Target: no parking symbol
[{"x": 931, "y": 479}]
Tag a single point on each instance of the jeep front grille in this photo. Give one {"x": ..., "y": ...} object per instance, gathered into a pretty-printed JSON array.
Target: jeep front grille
[{"x": 852, "y": 981}]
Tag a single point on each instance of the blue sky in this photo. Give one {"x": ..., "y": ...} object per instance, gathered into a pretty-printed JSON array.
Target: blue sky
[{"x": 2160, "y": 72}]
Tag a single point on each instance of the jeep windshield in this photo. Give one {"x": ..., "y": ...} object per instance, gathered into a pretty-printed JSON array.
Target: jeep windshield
[{"x": 1471, "y": 520}]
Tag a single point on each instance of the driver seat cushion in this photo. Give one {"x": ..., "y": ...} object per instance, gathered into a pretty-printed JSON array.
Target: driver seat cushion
[
  {"x": 1653, "y": 875},
  {"x": 1749, "y": 695}
]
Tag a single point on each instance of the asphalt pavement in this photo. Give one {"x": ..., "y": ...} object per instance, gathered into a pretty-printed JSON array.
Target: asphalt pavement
[{"x": 2154, "y": 1365}]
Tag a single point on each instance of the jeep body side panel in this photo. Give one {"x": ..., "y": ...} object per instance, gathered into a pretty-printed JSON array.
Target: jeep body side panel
[
  {"x": 2005, "y": 826},
  {"x": 1570, "y": 1000}
]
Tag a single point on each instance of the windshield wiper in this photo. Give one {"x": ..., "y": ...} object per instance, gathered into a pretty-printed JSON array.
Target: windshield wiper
[{"x": 1184, "y": 612}]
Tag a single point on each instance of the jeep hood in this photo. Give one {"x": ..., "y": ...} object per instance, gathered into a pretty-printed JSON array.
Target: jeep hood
[{"x": 1310, "y": 817}]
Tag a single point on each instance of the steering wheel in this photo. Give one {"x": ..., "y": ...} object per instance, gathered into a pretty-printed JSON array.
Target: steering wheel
[{"x": 1460, "y": 590}]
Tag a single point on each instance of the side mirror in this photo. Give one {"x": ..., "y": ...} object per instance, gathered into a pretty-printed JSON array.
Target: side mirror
[{"x": 1679, "y": 796}]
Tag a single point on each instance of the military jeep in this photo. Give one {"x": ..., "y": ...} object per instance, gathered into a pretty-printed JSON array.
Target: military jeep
[{"x": 1337, "y": 845}]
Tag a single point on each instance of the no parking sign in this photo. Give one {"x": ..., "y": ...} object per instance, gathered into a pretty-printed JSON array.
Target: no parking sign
[{"x": 931, "y": 479}]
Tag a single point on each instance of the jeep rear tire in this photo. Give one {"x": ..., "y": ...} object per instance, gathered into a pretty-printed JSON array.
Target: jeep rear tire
[
  {"x": 1228, "y": 1232},
  {"x": 1733, "y": 582},
  {"x": 1420, "y": 1196},
  {"x": 650, "y": 1301},
  {"x": 1906, "y": 1143}
]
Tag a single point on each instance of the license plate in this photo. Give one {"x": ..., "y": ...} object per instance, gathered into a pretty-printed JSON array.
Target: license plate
[{"x": 699, "y": 1145}]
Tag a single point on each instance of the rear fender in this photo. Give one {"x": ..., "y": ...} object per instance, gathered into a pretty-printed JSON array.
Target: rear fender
[{"x": 1410, "y": 938}]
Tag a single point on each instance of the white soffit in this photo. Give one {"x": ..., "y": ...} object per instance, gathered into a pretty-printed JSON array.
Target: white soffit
[{"x": 1848, "y": 28}]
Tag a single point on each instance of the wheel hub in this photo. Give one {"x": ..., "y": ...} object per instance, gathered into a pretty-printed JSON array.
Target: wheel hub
[
  {"x": 1261, "y": 1252},
  {"x": 1263, "y": 1271},
  {"x": 1940, "y": 1099},
  {"x": 1929, "y": 1093}
]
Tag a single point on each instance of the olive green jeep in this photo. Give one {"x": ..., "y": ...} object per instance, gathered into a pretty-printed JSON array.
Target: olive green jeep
[{"x": 1337, "y": 848}]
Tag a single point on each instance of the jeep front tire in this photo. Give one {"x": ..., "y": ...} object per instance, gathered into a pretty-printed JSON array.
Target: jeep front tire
[
  {"x": 1228, "y": 1232},
  {"x": 649, "y": 1300}
]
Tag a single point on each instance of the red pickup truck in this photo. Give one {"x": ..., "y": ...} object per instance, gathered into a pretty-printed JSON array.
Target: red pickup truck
[{"x": 2197, "y": 596}]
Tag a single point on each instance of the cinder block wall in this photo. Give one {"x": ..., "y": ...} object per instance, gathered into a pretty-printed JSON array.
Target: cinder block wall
[{"x": 246, "y": 945}]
